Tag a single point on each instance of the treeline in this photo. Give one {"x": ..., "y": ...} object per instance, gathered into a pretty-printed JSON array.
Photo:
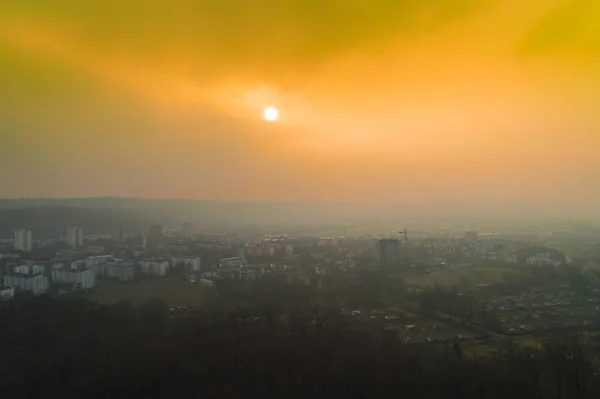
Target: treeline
[
  {"x": 70, "y": 347},
  {"x": 178, "y": 210}
]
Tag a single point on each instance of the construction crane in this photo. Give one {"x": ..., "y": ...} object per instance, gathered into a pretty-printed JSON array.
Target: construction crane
[{"x": 405, "y": 234}]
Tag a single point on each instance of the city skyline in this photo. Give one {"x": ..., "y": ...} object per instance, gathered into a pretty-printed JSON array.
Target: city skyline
[{"x": 469, "y": 101}]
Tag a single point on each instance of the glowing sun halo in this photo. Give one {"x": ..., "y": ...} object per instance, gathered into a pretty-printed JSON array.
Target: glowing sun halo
[{"x": 271, "y": 114}]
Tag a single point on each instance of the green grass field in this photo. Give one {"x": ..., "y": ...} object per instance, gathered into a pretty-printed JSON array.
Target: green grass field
[{"x": 173, "y": 290}]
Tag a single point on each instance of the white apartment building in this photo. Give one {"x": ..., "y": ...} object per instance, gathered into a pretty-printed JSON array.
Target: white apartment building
[
  {"x": 231, "y": 263},
  {"x": 98, "y": 260},
  {"x": 57, "y": 266},
  {"x": 123, "y": 271},
  {"x": 22, "y": 240},
  {"x": 80, "y": 276},
  {"x": 21, "y": 269},
  {"x": 75, "y": 237},
  {"x": 154, "y": 268},
  {"x": 289, "y": 251},
  {"x": 36, "y": 285},
  {"x": 188, "y": 262},
  {"x": 37, "y": 269}
]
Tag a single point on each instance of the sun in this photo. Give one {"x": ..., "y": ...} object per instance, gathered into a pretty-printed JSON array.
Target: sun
[{"x": 271, "y": 114}]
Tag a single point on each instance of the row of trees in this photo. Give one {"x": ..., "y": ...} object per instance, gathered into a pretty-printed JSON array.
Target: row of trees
[{"x": 70, "y": 347}]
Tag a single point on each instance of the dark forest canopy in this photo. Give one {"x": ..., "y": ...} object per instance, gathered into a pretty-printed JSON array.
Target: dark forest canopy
[{"x": 72, "y": 348}]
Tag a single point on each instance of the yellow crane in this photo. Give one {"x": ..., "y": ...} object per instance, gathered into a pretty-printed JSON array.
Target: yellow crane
[{"x": 404, "y": 234}]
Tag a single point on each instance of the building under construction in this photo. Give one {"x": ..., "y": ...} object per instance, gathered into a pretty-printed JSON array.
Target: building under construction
[{"x": 387, "y": 251}]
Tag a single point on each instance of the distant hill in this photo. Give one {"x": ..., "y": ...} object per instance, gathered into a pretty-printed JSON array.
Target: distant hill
[
  {"x": 48, "y": 217},
  {"x": 101, "y": 215},
  {"x": 207, "y": 211},
  {"x": 52, "y": 222},
  {"x": 200, "y": 208}
]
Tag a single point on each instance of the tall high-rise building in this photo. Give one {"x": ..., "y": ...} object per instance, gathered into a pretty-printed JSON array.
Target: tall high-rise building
[
  {"x": 387, "y": 251},
  {"x": 187, "y": 231},
  {"x": 154, "y": 236},
  {"x": 75, "y": 237},
  {"x": 22, "y": 240},
  {"x": 289, "y": 251},
  {"x": 118, "y": 234}
]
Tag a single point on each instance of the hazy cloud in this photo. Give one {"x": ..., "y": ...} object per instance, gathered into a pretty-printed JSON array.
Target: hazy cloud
[{"x": 461, "y": 98}]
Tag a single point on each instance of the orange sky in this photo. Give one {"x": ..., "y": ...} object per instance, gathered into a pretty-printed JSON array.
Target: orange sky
[{"x": 379, "y": 101}]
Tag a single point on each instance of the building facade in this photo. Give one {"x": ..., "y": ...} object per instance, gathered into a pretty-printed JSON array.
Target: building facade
[
  {"x": 35, "y": 285},
  {"x": 187, "y": 230},
  {"x": 22, "y": 240},
  {"x": 122, "y": 271},
  {"x": 190, "y": 263},
  {"x": 387, "y": 251},
  {"x": 154, "y": 236},
  {"x": 118, "y": 234},
  {"x": 154, "y": 268},
  {"x": 259, "y": 251},
  {"x": 38, "y": 269},
  {"x": 21, "y": 269},
  {"x": 94, "y": 261},
  {"x": 231, "y": 263},
  {"x": 7, "y": 293},
  {"x": 75, "y": 237},
  {"x": 289, "y": 251},
  {"x": 81, "y": 277}
]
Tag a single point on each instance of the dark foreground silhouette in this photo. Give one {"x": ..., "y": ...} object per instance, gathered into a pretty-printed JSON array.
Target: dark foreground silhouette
[{"x": 73, "y": 348}]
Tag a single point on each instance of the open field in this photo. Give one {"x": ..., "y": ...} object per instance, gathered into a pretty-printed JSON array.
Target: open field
[
  {"x": 414, "y": 328},
  {"x": 172, "y": 290},
  {"x": 473, "y": 275},
  {"x": 480, "y": 349}
]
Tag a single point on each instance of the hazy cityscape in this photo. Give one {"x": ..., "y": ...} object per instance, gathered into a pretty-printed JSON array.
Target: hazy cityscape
[
  {"x": 300, "y": 199},
  {"x": 481, "y": 292}
]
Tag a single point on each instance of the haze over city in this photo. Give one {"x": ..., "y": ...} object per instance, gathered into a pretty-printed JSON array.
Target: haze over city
[
  {"x": 468, "y": 101},
  {"x": 300, "y": 199}
]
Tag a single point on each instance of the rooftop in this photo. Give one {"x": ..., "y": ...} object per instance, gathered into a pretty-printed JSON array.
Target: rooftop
[{"x": 23, "y": 275}]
